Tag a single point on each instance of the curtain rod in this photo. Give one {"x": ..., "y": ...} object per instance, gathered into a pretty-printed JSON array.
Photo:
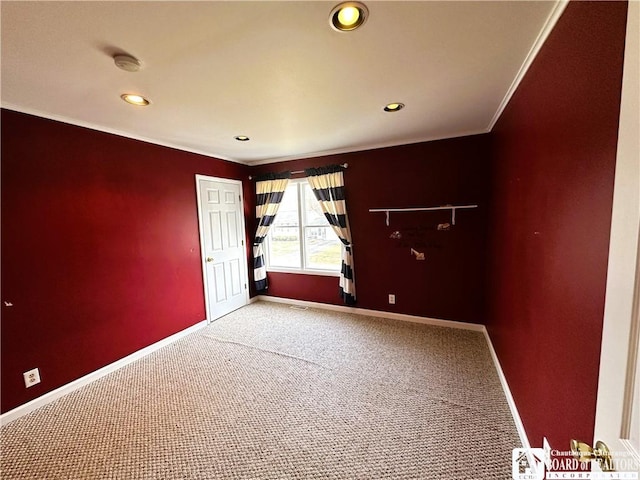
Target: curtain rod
[{"x": 343, "y": 165}]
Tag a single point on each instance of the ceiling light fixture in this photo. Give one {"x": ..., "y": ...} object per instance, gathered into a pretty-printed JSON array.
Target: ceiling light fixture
[
  {"x": 242, "y": 138},
  {"x": 393, "y": 107},
  {"x": 135, "y": 99},
  {"x": 348, "y": 16}
]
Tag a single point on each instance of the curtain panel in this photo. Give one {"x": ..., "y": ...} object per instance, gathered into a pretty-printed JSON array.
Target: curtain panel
[
  {"x": 327, "y": 184},
  {"x": 269, "y": 192}
]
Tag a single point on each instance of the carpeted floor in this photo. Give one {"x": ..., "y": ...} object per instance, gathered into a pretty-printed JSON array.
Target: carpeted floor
[{"x": 271, "y": 392}]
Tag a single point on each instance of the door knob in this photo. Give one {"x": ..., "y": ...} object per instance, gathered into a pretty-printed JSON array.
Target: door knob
[
  {"x": 209, "y": 259},
  {"x": 584, "y": 453}
]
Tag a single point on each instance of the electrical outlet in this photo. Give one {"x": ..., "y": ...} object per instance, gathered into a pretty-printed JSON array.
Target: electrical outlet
[
  {"x": 392, "y": 299},
  {"x": 31, "y": 378}
]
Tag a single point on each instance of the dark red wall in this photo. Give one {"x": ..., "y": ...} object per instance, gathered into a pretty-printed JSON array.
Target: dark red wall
[
  {"x": 100, "y": 249},
  {"x": 554, "y": 151},
  {"x": 449, "y": 284}
]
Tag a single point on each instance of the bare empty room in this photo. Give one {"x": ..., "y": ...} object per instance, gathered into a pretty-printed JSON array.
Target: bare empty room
[{"x": 309, "y": 240}]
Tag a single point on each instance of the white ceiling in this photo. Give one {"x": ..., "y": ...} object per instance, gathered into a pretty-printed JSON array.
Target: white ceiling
[{"x": 274, "y": 71}]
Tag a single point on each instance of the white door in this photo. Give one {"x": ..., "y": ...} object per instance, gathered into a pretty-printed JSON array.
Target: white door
[
  {"x": 618, "y": 404},
  {"x": 224, "y": 259}
]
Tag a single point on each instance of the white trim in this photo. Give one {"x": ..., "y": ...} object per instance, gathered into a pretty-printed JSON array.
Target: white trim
[
  {"x": 426, "y": 321},
  {"x": 365, "y": 148},
  {"x": 616, "y": 409},
  {"x": 631, "y": 449},
  {"x": 507, "y": 392},
  {"x": 375, "y": 313},
  {"x": 203, "y": 255},
  {"x": 114, "y": 131},
  {"x": 246, "y": 161},
  {"x": 49, "y": 397},
  {"x": 551, "y": 21},
  {"x": 323, "y": 273},
  {"x": 299, "y": 184},
  {"x": 533, "y": 52}
]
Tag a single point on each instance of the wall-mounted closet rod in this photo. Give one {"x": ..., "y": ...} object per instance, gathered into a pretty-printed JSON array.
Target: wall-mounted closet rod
[
  {"x": 453, "y": 209},
  {"x": 343, "y": 165}
]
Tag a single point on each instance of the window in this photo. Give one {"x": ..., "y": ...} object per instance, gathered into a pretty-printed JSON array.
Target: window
[{"x": 300, "y": 238}]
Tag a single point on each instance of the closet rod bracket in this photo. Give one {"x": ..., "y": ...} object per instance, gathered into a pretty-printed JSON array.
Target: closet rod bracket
[{"x": 453, "y": 209}]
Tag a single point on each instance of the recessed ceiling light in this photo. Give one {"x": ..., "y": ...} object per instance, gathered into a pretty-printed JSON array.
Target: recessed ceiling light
[
  {"x": 135, "y": 99},
  {"x": 348, "y": 16},
  {"x": 393, "y": 107},
  {"x": 242, "y": 138}
]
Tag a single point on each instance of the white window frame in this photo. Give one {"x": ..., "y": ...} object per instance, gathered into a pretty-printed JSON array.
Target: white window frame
[{"x": 304, "y": 270}]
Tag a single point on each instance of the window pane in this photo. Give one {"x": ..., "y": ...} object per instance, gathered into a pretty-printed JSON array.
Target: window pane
[
  {"x": 323, "y": 250},
  {"x": 313, "y": 212},
  {"x": 288, "y": 211},
  {"x": 284, "y": 237},
  {"x": 320, "y": 246}
]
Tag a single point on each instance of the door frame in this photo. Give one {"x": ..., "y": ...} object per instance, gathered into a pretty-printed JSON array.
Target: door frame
[
  {"x": 205, "y": 281},
  {"x": 621, "y": 325}
]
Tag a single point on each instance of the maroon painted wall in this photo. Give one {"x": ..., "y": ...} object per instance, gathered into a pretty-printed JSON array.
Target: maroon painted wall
[
  {"x": 449, "y": 284},
  {"x": 100, "y": 249},
  {"x": 553, "y": 156}
]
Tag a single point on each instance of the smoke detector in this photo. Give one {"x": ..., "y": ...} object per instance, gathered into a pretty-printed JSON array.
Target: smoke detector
[{"x": 127, "y": 63}]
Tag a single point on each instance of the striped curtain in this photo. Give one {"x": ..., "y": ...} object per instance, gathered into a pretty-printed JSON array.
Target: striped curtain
[
  {"x": 327, "y": 184},
  {"x": 269, "y": 191}
]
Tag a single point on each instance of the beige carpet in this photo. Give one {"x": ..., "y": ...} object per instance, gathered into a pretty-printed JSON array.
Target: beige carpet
[{"x": 271, "y": 392}]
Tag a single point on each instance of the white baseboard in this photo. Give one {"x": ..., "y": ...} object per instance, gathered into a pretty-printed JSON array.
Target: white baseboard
[
  {"x": 49, "y": 397},
  {"x": 427, "y": 321},
  {"x": 375, "y": 313},
  {"x": 70, "y": 387},
  {"x": 507, "y": 392}
]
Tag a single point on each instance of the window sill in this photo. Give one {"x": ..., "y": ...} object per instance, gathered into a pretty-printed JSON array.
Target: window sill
[{"x": 324, "y": 273}]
